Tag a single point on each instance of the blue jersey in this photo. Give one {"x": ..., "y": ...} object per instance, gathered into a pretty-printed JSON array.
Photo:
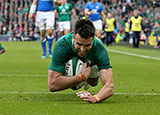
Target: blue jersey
[
  {"x": 96, "y": 9},
  {"x": 45, "y": 5}
]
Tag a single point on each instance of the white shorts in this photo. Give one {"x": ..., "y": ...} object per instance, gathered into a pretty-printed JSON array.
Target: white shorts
[
  {"x": 64, "y": 25},
  {"x": 97, "y": 24},
  {"x": 45, "y": 20}
]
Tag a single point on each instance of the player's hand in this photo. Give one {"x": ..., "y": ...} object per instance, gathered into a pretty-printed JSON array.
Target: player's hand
[
  {"x": 31, "y": 16},
  {"x": 86, "y": 96},
  {"x": 91, "y": 12},
  {"x": 86, "y": 70}
]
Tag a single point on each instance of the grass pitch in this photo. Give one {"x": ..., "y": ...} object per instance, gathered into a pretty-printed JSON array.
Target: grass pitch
[{"x": 24, "y": 84}]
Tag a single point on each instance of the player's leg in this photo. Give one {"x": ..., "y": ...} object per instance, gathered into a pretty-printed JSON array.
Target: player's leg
[
  {"x": 98, "y": 33},
  {"x": 43, "y": 43},
  {"x": 50, "y": 40},
  {"x": 1, "y": 49},
  {"x": 50, "y": 20},
  {"x": 61, "y": 28},
  {"x": 98, "y": 26},
  {"x": 67, "y": 27},
  {"x": 40, "y": 22}
]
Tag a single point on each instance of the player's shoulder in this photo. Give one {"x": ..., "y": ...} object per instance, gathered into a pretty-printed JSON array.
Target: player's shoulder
[
  {"x": 65, "y": 39},
  {"x": 97, "y": 43},
  {"x": 68, "y": 4},
  {"x": 99, "y": 3},
  {"x": 88, "y": 3}
]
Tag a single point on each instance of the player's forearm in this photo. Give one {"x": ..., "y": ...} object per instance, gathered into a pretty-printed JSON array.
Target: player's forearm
[
  {"x": 103, "y": 17},
  {"x": 57, "y": 82},
  {"x": 108, "y": 86},
  {"x": 75, "y": 15},
  {"x": 62, "y": 82},
  {"x": 105, "y": 92},
  {"x": 33, "y": 7}
]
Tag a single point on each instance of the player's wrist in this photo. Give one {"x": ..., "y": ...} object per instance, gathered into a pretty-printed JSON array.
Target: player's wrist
[
  {"x": 33, "y": 9},
  {"x": 88, "y": 13},
  {"x": 96, "y": 98},
  {"x": 81, "y": 77}
]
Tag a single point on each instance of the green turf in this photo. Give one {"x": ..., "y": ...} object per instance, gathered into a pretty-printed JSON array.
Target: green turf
[{"x": 24, "y": 90}]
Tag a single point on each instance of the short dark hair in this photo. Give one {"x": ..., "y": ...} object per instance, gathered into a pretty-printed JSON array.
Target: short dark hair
[{"x": 85, "y": 28}]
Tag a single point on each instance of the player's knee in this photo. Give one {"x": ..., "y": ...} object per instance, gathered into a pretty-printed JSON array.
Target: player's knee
[{"x": 50, "y": 32}]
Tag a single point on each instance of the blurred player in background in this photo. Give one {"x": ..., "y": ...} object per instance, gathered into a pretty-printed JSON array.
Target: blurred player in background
[
  {"x": 136, "y": 28},
  {"x": 1, "y": 49},
  {"x": 94, "y": 11},
  {"x": 64, "y": 17},
  {"x": 84, "y": 45},
  {"x": 45, "y": 19}
]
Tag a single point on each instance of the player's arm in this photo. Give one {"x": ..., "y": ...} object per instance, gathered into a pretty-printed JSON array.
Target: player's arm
[
  {"x": 106, "y": 91},
  {"x": 57, "y": 81},
  {"x": 103, "y": 16},
  {"x": 87, "y": 12},
  {"x": 33, "y": 9},
  {"x": 74, "y": 14}
]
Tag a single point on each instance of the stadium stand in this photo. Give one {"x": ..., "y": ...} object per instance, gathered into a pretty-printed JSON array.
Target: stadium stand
[{"x": 15, "y": 24}]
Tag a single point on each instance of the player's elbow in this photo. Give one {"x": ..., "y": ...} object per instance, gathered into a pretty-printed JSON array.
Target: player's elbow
[
  {"x": 111, "y": 90},
  {"x": 52, "y": 87}
]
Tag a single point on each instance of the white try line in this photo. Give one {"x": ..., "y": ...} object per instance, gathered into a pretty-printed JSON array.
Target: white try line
[
  {"x": 25, "y": 75},
  {"x": 15, "y": 92},
  {"x": 132, "y": 54}
]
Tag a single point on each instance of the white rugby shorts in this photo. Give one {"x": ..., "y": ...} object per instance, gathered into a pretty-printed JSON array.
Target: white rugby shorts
[
  {"x": 45, "y": 20},
  {"x": 97, "y": 24},
  {"x": 66, "y": 25}
]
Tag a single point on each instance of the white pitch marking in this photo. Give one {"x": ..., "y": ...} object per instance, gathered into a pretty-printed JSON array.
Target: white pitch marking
[
  {"x": 24, "y": 75},
  {"x": 132, "y": 54},
  {"x": 15, "y": 92}
]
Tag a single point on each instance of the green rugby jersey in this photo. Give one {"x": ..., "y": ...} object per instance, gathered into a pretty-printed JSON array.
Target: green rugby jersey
[
  {"x": 64, "y": 50},
  {"x": 63, "y": 12}
]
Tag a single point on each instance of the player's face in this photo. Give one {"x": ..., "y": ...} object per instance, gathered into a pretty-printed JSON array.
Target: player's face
[{"x": 82, "y": 45}]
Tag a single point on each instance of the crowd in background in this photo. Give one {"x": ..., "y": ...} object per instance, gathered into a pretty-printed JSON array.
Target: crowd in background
[{"x": 14, "y": 16}]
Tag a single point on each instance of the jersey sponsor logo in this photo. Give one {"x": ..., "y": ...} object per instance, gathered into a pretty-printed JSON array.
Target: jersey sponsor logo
[
  {"x": 66, "y": 7},
  {"x": 95, "y": 11},
  {"x": 97, "y": 7}
]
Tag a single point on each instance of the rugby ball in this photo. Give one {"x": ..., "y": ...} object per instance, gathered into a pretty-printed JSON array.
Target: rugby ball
[{"x": 74, "y": 67}]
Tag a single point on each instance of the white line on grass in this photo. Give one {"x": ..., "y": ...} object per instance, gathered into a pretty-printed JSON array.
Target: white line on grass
[
  {"x": 15, "y": 92},
  {"x": 24, "y": 75},
  {"x": 132, "y": 54}
]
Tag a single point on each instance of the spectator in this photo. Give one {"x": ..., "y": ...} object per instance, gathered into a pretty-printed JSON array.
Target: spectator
[
  {"x": 109, "y": 29},
  {"x": 136, "y": 27}
]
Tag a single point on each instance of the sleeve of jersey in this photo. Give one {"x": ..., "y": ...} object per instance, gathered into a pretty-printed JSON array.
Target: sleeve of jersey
[
  {"x": 58, "y": 58},
  {"x": 70, "y": 6},
  {"x": 102, "y": 59}
]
